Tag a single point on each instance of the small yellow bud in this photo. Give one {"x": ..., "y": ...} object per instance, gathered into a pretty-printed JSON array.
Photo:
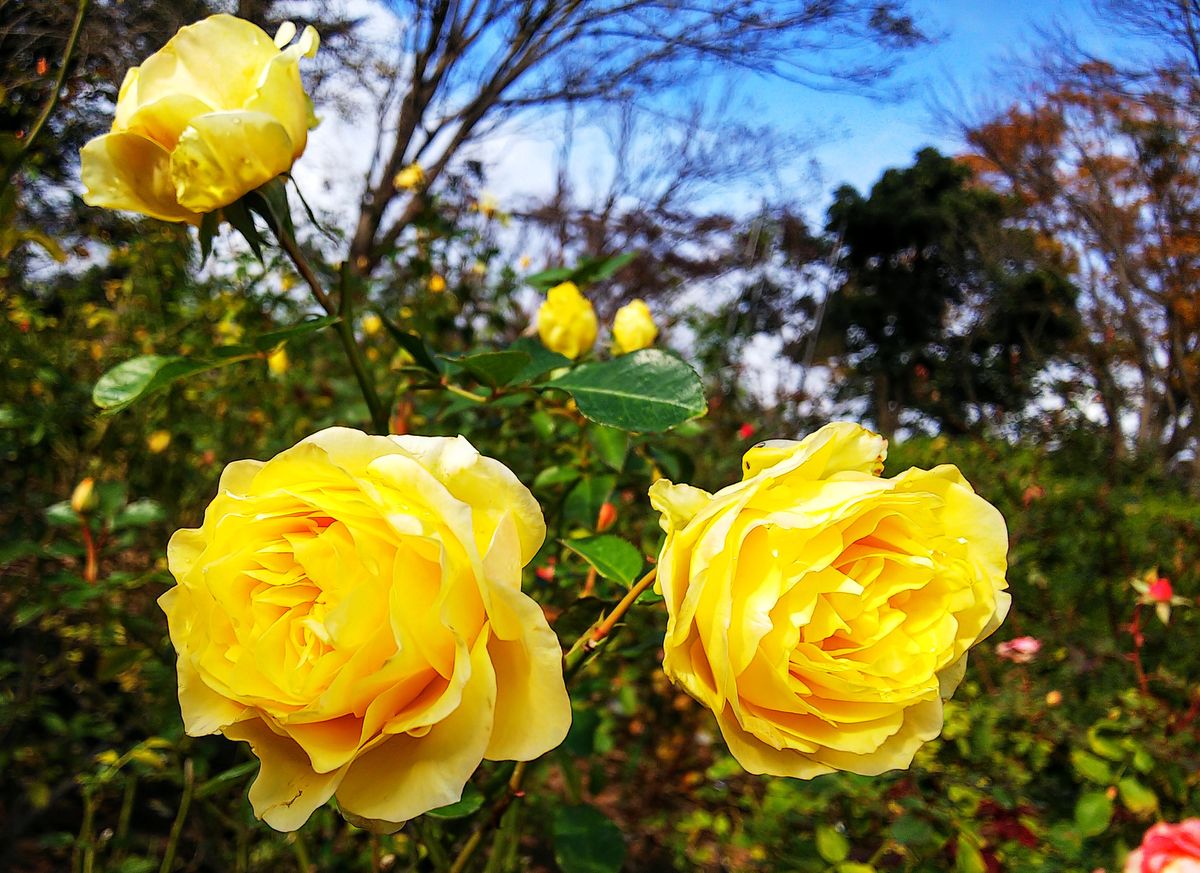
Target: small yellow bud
[
  {"x": 488, "y": 206},
  {"x": 108, "y": 758},
  {"x": 84, "y": 498},
  {"x": 437, "y": 283},
  {"x": 277, "y": 362},
  {"x": 371, "y": 324},
  {"x": 410, "y": 178},
  {"x": 1053, "y": 698},
  {"x": 566, "y": 321},
  {"x": 158, "y": 441},
  {"x": 633, "y": 327}
]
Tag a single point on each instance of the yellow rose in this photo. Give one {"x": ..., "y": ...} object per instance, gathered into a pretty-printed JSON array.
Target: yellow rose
[
  {"x": 633, "y": 327},
  {"x": 822, "y": 612},
  {"x": 84, "y": 498},
  {"x": 159, "y": 441},
  {"x": 215, "y": 113},
  {"x": 410, "y": 178},
  {"x": 566, "y": 321},
  {"x": 352, "y": 608},
  {"x": 371, "y": 324},
  {"x": 277, "y": 362}
]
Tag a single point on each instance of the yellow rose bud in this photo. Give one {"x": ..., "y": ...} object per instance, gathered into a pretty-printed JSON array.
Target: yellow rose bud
[
  {"x": 410, "y": 178},
  {"x": 277, "y": 362},
  {"x": 214, "y": 114},
  {"x": 158, "y": 441},
  {"x": 84, "y": 498},
  {"x": 352, "y": 608},
  {"x": 437, "y": 283},
  {"x": 822, "y": 612},
  {"x": 488, "y": 206},
  {"x": 566, "y": 321},
  {"x": 633, "y": 327},
  {"x": 371, "y": 324}
]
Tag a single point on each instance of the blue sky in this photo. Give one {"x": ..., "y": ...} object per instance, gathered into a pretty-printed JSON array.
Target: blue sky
[{"x": 978, "y": 39}]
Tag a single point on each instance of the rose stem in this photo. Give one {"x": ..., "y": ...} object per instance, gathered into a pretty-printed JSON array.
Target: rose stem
[
  {"x": 189, "y": 784},
  {"x": 1135, "y": 631},
  {"x": 605, "y": 627},
  {"x": 344, "y": 328},
  {"x": 514, "y": 792}
]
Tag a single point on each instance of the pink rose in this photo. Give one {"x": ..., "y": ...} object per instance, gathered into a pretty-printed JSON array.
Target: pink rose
[
  {"x": 1020, "y": 650},
  {"x": 1160, "y": 590},
  {"x": 1168, "y": 848}
]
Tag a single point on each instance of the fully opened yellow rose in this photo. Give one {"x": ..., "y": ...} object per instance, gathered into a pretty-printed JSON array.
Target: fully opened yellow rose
[
  {"x": 352, "y": 608},
  {"x": 215, "y": 113},
  {"x": 633, "y": 327},
  {"x": 566, "y": 321},
  {"x": 822, "y": 612}
]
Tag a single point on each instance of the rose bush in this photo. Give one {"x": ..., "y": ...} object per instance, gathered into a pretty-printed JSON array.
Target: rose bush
[
  {"x": 566, "y": 321},
  {"x": 214, "y": 114},
  {"x": 822, "y": 612},
  {"x": 1168, "y": 848},
  {"x": 352, "y": 608}
]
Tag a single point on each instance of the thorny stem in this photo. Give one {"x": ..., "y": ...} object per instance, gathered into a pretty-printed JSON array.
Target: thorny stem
[
  {"x": 344, "y": 328},
  {"x": 1135, "y": 631},
  {"x": 605, "y": 627}
]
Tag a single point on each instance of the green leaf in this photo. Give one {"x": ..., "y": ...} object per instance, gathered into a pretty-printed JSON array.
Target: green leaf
[
  {"x": 541, "y": 359},
  {"x": 1093, "y": 812},
  {"x": 647, "y": 391},
  {"x": 968, "y": 858},
  {"x": 912, "y": 831},
  {"x": 240, "y": 218},
  {"x": 493, "y": 369},
  {"x": 611, "y": 445},
  {"x": 1104, "y": 746},
  {"x": 268, "y": 341},
  {"x": 16, "y": 550},
  {"x": 271, "y": 202},
  {"x": 62, "y": 515},
  {"x": 139, "y": 514},
  {"x": 584, "y": 273},
  {"x": 131, "y": 380},
  {"x": 599, "y": 269},
  {"x": 547, "y": 279},
  {"x": 582, "y": 503},
  {"x": 585, "y": 841},
  {"x": 471, "y": 800},
  {"x": 613, "y": 557},
  {"x": 556, "y": 475},
  {"x": 209, "y": 225},
  {"x": 1137, "y": 798},
  {"x": 1090, "y": 767},
  {"x": 412, "y": 344},
  {"x": 832, "y": 845}
]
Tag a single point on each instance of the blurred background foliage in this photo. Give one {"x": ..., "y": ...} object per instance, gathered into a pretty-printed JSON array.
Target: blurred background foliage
[{"x": 1026, "y": 310}]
